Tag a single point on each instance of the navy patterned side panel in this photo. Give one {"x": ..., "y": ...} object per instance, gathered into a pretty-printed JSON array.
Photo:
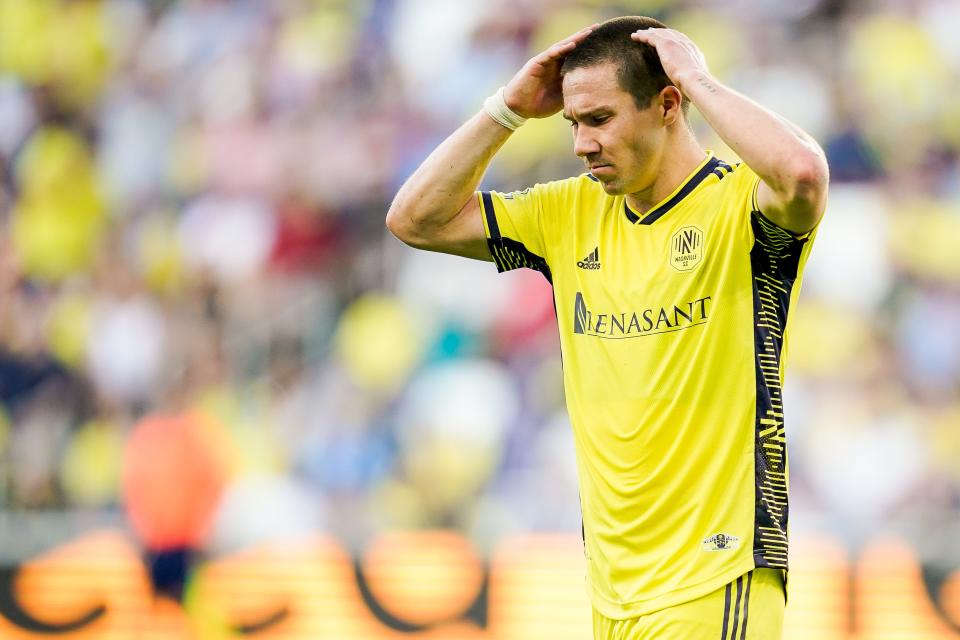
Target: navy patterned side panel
[{"x": 775, "y": 258}]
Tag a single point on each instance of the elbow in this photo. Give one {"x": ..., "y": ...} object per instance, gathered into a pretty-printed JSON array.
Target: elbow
[
  {"x": 396, "y": 220},
  {"x": 803, "y": 194},
  {"x": 808, "y": 178},
  {"x": 811, "y": 173},
  {"x": 400, "y": 223}
]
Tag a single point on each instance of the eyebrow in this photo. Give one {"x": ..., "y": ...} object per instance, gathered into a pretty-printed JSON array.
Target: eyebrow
[{"x": 587, "y": 114}]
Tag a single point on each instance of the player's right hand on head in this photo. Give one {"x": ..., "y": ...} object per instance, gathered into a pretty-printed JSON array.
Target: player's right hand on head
[{"x": 535, "y": 91}]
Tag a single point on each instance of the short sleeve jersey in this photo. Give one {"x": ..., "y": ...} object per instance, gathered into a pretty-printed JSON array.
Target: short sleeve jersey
[{"x": 673, "y": 331}]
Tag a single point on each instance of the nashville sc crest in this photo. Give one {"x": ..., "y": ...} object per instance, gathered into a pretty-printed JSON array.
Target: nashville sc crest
[{"x": 686, "y": 248}]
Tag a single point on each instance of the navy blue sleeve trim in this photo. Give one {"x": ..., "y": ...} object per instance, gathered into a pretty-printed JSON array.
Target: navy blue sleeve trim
[{"x": 491, "y": 216}]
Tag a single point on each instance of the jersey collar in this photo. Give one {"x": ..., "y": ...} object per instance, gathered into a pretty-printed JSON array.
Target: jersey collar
[{"x": 686, "y": 187}]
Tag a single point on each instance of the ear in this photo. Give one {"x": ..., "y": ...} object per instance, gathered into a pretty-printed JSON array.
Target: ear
[{"x": 670, "y": 102}]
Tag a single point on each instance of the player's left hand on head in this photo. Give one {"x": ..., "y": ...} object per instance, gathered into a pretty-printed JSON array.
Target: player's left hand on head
[{"x": 680, "y": 57}]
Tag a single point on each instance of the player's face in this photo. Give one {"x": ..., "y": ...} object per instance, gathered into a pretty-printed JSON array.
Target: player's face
[{"x": 621, "y": 144}]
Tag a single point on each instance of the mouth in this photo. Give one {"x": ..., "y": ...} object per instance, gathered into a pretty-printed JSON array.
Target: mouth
[{"x": 600, "y": 168}]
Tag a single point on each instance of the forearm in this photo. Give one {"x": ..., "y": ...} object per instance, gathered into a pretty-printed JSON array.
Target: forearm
[
  {"x": 436, "y": 192},
  {"x": 435, "y": 209},
  {"x": 782, "y": 154}
]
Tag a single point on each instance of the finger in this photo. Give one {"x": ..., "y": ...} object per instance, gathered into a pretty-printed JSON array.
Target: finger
[
  {"x": 565, "y": 46},
  {"x": 582, "y": 33},
  {"x": 656, "y": 31},
  {"x": 554, "y": 53},
  {"x": 577, "y": 37},
  {"x": 645, "y": 36}
]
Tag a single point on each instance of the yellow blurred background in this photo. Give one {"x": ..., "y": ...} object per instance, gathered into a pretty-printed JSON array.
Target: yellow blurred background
[{"x": 231, "y": 405}]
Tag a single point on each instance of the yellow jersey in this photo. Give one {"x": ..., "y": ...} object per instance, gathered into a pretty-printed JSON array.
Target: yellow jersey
[{"x": 673, "y": 330}]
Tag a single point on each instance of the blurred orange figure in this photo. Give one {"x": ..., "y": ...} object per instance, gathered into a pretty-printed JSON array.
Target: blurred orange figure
[{"x": 172, "y": 481}]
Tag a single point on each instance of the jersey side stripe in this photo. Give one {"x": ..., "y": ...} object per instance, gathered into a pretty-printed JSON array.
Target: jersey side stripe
[{"x": 775, "y": 258}]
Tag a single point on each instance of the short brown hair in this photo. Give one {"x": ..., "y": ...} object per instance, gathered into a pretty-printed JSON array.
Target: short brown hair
[{"x": 639, "y": 71}]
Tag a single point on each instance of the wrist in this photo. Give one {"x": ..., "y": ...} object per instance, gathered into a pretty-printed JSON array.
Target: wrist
[
  {"x": 496, "y": 107},
  {"x": 693, "y": 81},
  {"x": 508, "y": 99}
]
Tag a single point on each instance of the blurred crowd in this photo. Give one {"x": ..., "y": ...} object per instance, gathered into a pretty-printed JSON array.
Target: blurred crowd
[{"x": 206, "y": 331}]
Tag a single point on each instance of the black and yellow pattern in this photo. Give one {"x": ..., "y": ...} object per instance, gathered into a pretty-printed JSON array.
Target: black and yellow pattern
[{"x": 775, "y": 258}]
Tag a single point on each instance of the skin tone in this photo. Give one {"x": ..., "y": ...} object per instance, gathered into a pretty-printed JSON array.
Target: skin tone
[
  {"x": 642, "y": 153},
  {"x": 623, "y": 146}
]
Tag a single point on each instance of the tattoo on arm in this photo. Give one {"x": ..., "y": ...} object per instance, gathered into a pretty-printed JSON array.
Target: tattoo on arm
[{"x": 706, "y": 84}]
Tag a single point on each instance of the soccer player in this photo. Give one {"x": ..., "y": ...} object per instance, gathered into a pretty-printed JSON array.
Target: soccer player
[{"x": 673, "y": 275}]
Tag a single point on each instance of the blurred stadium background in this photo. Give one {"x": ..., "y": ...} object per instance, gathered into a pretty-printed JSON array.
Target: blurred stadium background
[{"x": 233, "y": 406}]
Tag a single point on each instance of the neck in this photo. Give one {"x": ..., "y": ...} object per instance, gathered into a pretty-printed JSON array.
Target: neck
[{"x": 681, "y": 155}]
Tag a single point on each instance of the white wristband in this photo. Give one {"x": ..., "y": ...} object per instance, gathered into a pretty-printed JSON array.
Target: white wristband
[{"x": 496, "y": 107}]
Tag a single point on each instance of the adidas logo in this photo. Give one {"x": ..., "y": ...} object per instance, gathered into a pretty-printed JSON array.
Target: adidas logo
[{"x": 592, "y": 261}]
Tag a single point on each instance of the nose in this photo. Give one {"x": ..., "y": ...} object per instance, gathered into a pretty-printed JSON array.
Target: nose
[{"x": 584, "y": 142}]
